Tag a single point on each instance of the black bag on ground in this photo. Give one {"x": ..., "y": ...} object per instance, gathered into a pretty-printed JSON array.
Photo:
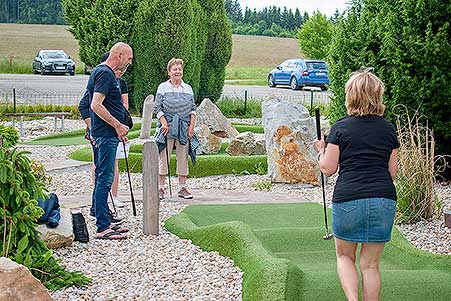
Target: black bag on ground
[{"x": 79, "y": 227}]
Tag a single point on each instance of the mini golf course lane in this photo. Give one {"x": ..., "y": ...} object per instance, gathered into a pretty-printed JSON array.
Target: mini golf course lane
[{"x": 283, "y": 242}]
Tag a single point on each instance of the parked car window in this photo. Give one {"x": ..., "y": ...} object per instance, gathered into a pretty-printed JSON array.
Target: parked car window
[
  {"x": 284, "y": 65},
  {"x": 290, "y": 65},
  {"x": 316, "y": 65},
  {"x": 54, "y": 55}
]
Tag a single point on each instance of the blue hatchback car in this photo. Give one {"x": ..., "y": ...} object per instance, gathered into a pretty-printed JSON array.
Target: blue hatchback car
[{"x": 298, "y": 73}]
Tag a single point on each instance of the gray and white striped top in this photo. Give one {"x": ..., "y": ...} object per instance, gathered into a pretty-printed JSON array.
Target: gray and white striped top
[{"x": 173, "y": 100}]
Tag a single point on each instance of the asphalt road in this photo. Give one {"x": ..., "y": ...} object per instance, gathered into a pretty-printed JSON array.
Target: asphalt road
[{"x": 72, "y": 88}]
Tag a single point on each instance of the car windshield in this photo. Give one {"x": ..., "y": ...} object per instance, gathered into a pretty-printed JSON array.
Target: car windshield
[
  {"x": 316, "y": 65},
  {"x": 54, "y": 55}
]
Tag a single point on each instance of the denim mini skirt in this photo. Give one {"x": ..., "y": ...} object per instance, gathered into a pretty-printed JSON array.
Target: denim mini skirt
[{"x": 364, "y": 220}]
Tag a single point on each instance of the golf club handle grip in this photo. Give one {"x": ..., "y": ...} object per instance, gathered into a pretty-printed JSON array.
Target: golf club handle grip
[{"x": 318, "y": 124}]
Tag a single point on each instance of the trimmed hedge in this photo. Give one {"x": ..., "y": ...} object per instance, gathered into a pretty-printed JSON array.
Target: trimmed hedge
[
  {"x": 196, "y": 31},
  {"x": 207, "y": 165}
]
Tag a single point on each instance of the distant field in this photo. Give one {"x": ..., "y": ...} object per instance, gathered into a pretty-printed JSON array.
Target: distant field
[
  {"x": 252, "y": 56},
  {"x": 21, "y": 42}
]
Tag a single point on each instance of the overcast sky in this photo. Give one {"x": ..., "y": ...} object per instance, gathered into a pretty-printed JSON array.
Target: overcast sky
[{"x": 325, "y": 6}]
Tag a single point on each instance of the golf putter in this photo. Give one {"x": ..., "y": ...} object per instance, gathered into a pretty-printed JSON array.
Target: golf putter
[
  {"x": 169, "y": 170},
  {"x": 112, "y": 202},
  {"x": 327, "y": 236},
  {"x": 129, "y": 180}
]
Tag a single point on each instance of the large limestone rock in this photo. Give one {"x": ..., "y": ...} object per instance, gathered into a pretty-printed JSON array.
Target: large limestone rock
[
  {"x": 209, "y": 143},
  {"x": 209, "y": 114},
  {"x": 61, "y": 236},
  {"x": 245, "y": 144},
  {"x": 289, "y": 135},
  {"x": 17, "y": 283}
]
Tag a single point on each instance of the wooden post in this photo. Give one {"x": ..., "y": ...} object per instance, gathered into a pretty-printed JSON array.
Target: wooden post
[
  {"x": 447, "y": 214},
  {"x": 21, "y": 126},
  {"x": 151, "y": 201},
  {"x": 147, "y": 117}
]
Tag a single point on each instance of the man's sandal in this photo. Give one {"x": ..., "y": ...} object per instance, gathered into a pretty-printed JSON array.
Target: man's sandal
[
  {"x": 119, "y": 229},
  {"x": 111, "y": 235}
]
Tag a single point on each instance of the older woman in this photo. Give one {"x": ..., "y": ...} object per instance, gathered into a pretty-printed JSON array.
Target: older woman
[
  {"x": 365, "y": 146},
  {"x": 176, "y": 113}
]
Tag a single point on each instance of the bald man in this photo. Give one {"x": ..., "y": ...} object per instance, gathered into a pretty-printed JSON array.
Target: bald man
[{"x": 107, "y": 129}]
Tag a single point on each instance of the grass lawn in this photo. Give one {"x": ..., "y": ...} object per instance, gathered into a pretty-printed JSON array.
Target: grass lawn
[
  {"x": 279, "y": 248},
  {"x": 252, "y": 56}
]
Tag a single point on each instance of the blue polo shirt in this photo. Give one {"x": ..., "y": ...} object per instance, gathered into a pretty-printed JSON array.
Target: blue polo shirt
[{"x": 103, "y": 80}]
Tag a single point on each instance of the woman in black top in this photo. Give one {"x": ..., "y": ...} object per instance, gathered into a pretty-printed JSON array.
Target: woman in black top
[{"x": 365, "y": 146}]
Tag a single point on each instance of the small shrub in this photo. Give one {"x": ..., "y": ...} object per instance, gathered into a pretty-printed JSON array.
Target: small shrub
[
  {"x": 418, "y": 167},
  {"x": 19, "y": 211},
  {"x": 263, "y": 185},
  {"x": 9, "y": 135},
  {"x": 260, "y": 169}
]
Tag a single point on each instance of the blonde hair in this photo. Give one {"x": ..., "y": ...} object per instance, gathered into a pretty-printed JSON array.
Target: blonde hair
[
  {"x": 174, "y": 61},
  {"x": 364, "y": 94}
]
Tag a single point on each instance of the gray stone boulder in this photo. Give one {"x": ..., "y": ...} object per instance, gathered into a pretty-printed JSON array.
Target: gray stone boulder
[
  {"x": 17, "y": 283},
  {"x": 289, "y": 135},
  {"x": 209, "y": 114},
  {"x": 209, "y": 143},
  {"x": 61, "y": 236},
  {"x": 245, "y": 144}
]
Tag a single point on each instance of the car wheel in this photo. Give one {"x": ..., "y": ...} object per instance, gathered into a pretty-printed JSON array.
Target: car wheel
[
  {"x": 34, "y": 71},
  {"x": 72, "y": 73},
  {"x": 42, "y": 71},
  {"x": 271, "y": 81},
  {"x": 294, "y": 83}
]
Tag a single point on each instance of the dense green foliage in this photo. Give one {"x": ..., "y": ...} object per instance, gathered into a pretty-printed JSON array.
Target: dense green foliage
[
  {"x": 409, "y": 44},
  {"x": 9, "y": 135},
  {"x": 19, "y": 211},
  {"x": 40, "y": 108},
  {"x": 279, "y": 249},
  {"x": 157, "y": 30},
  {"x": 269, "y": 21},
  {"x": 315, "y": 36},
  {"x": 31, "y": 11}
]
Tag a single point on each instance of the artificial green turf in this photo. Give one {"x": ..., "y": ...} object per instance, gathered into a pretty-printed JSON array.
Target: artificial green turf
[
  {"x": 280, "y": 249},
  {"x": 76, "y": 137}
]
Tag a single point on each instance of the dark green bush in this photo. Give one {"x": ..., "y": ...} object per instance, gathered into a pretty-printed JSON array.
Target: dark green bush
[
  {"x": 196, "y": 31},
  {"x": 409, "y": 44},
  {"x": 9, "y": 135}
]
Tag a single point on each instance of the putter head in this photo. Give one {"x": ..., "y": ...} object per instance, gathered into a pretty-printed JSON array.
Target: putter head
[{"x": 328, "y": 236}]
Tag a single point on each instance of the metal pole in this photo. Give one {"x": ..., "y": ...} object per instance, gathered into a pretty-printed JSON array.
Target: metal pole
[
  {"x": 311, "y": 101},
  {"x": 14, "y": 100},
  {"x": 245, "y": 101}
]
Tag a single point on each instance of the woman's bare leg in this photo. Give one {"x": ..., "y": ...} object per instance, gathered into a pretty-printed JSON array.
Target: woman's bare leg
[
  {"x": 370, "y": 257},
  {"x": 347, "y": 271}
]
